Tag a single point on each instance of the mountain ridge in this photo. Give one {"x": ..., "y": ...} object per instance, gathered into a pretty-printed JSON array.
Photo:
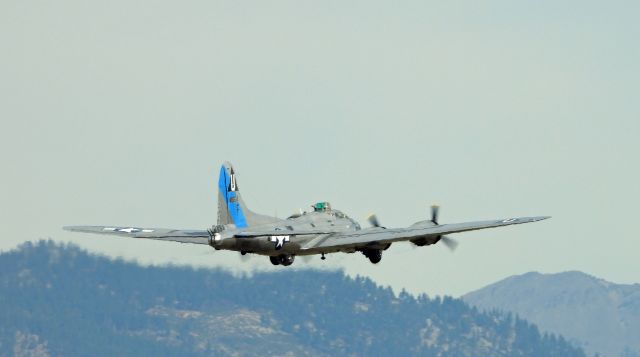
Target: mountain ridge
[{"x": 598, "y": 315}]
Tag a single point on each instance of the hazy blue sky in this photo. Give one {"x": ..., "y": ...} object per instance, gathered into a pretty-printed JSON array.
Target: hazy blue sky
[{"x": 121, "y": 112}]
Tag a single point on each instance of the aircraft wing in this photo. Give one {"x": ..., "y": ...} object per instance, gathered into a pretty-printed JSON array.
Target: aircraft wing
[
  {"x": 173, "y": 235},
  {"x": 374, "y": 236},
  {"x": 251, "y": 234}
]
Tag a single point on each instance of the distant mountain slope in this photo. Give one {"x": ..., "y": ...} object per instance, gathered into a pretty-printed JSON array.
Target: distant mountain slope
[
  {"x": 603, "y": 317},
  {"x": 59, "y": 300}
]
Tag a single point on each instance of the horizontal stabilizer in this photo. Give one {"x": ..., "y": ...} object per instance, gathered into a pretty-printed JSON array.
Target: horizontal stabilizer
[{"x": 173, "y": 235}]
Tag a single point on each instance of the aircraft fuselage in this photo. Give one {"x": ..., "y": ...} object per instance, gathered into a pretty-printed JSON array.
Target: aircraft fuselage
[{"x": 290, "y": 241}]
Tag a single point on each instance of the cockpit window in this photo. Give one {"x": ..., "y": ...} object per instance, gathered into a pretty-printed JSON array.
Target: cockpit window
[{"x": 321, "y": 207}]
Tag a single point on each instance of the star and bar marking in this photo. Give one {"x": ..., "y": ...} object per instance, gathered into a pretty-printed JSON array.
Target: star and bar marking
[{"x": 279, "y": 241}]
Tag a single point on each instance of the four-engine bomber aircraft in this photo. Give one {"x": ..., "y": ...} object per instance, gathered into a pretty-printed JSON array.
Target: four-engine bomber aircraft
[{"x": 322, "y": 231}]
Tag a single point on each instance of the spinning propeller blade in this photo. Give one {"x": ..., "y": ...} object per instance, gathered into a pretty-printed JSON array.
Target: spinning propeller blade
[
  {"x": 451, "y": 243},
  {"x": 435, "y": 209},
  {"x": 373, "y": 220}
]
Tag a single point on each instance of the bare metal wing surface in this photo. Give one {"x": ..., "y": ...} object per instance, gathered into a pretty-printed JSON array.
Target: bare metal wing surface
[
  {"x": 382, "y": 235},
  {"x": 266, "y": 233},
  {"x": 321, "y": 231},
  {"x": 171, "y": 235}
]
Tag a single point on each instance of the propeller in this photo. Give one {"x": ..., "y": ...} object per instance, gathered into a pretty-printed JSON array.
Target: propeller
[
  {"x": 451, "y": 243},
  {"x": 435, "y": 209},
  {"x": 373, "y": 220}
]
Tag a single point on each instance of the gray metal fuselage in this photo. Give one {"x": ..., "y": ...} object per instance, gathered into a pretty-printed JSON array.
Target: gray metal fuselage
[{"x": 314, "y": 225}]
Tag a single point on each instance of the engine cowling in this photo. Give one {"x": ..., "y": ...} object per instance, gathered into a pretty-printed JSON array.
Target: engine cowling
[
  {"x": 420, "y": 242},
  {"x": 215, "y": 236}
]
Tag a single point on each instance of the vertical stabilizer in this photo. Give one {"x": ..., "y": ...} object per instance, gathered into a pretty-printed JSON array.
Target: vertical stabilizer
[{"x": 231, "y": 207}]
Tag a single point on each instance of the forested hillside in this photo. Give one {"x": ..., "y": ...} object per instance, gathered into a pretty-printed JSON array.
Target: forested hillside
[{"x": 60, "y": 300}]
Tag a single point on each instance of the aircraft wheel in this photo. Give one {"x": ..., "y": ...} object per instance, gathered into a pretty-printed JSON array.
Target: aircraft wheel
[
  {"x": 274, "y": 260},
  {"x": 375, "y": 256},
  {"x": 286, "y": 259}
]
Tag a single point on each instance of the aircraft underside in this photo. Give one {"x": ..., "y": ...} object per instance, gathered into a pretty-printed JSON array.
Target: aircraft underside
[{"x": 373, "y": 254}]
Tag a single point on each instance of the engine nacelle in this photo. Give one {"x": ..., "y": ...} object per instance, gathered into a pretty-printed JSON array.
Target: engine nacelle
[
  {"x": 420, "y": 242},
  {"x": 215, "y": 238},
  {"x": 426, "y": 223}
]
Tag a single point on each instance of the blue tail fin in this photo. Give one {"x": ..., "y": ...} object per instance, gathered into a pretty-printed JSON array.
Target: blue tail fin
[{"x": 231, "y": 207}]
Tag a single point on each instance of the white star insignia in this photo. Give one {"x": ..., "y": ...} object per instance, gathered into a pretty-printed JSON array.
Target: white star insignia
[
  {"x": 279, "y": 241},
  {"x": 129, "y": 230}
]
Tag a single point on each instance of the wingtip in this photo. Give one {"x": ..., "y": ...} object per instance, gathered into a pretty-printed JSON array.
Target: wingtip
[{"x": 72, "y": 228}]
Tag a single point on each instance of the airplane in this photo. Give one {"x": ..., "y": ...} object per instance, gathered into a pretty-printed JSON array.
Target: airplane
[{"x": 321, "y": 231}]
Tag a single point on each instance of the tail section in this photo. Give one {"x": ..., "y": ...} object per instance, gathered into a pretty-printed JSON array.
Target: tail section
[{"x": 231, "y": 207}]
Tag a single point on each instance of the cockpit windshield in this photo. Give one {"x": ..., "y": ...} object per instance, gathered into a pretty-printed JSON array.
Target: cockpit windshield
[
  {"x": 326, "y": 207},
  {"x": 322, "y": 207}
]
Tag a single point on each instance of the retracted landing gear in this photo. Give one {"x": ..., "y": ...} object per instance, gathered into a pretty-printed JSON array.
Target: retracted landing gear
[
  {"x": 283, "y": 259},
  {"x": 374, "y": 255}
]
